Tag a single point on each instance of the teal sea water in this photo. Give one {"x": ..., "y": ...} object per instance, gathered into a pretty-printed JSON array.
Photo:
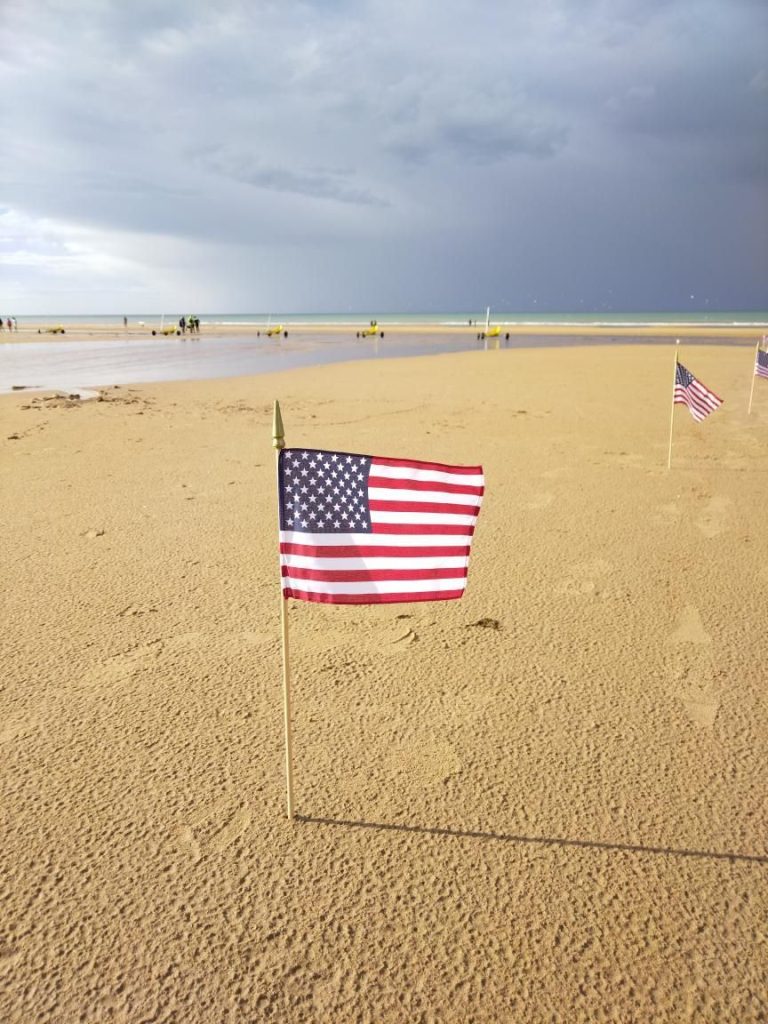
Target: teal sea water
[{"x": 742, "y": 318}]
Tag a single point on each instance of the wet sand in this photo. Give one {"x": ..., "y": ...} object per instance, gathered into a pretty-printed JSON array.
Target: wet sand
[
  {"x": 544, "y": 802},
  {"x": 83, "y": 360},
  {"x": 87, "y": 331}
]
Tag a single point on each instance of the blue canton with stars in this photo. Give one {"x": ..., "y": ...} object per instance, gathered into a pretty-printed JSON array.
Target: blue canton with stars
[
  {"x": 324, "y": 492},
  {"x": 683, "y": 376}
]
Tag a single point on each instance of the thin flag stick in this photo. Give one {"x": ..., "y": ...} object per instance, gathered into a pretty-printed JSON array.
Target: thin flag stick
[
  {"x": 672, "y": 414},
  {"x": 278, "y": 443},
  {"x": 754, "y": 374}
]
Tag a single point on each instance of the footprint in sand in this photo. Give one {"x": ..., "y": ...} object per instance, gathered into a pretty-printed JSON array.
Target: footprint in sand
[
  {"x": 691, "y": 670},
  {"x": 17, "y": 728},
  {"x": 583, "y": 578},
  {"x": 714, "y": 519},
  {"x": 690, "y": 629},
  {"x": 557, "y": 473},
  {"x": 398, "y": 639},
  {"x": 538, "y": 501},
  {"x": 424, "y": 762},
  {"x": 666, "y": 515},
  {"x": 122, "y": 666},
  {"x": 211, "y": 830},
  {"x": 701, "y": 704},
  {"x": 230, "y": 831},
  {"x": 137, "y": 609}
]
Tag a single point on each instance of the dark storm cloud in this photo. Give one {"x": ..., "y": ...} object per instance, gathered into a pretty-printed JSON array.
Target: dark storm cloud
[
  {"x": 319, "y": 184},
  {"x": 556, "y": 152}
]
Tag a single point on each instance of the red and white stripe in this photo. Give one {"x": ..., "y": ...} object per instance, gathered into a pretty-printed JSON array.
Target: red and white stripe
[
  {"x": 423, "y": 516},
  {"x": 699, "y": 399}
]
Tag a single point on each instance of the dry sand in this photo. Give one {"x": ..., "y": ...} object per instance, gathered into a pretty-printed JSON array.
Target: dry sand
[{"x": 544, "y": 802}]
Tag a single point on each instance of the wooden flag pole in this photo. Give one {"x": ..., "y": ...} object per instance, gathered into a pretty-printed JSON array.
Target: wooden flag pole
[
  {"x": 278, "y": 443},
  {"x": 672, "y": 414},
  {"x": 754, "y": 374}
]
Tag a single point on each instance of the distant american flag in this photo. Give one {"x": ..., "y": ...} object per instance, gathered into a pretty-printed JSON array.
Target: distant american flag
[
  {"x": 691, "y": 392},
  {"x": 761, "y": 364},
  {"x": 355, "y": 529}
]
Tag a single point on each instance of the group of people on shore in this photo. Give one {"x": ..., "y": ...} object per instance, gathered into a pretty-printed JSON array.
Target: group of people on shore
[
  {"x": 9, "y": 323},
  {"x": 189, "y": 322}
]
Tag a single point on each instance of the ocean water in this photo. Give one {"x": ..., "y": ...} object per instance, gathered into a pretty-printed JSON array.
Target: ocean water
[
  {"x": 82, "y": 366},
  {"x": 742, "y": 318}
]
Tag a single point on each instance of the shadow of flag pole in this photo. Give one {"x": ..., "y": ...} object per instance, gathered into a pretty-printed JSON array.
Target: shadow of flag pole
[{"x": 278, "y": 443}]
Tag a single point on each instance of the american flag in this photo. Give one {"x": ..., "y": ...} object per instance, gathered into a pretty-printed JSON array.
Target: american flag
[
  {"x": 761, "y": 364},
  {"x": 357, "y": 529},
  {"x": 691, "y": 392}
]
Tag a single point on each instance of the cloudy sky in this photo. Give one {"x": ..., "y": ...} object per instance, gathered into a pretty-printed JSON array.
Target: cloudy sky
[{"x": 363, "y": 155}]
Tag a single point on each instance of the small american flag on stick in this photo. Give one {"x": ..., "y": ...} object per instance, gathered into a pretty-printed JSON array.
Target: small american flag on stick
[
  {"x": 691, "y": 392},
  {"x": 358, "y": 529},
  {"x": 761, "y": 364}
]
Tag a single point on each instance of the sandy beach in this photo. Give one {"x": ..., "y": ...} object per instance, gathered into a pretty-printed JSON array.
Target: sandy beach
[{"x": 542, "y": 803}]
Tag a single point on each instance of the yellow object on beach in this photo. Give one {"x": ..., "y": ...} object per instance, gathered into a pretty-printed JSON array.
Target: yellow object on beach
[{"x": 371, "y": 331}]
